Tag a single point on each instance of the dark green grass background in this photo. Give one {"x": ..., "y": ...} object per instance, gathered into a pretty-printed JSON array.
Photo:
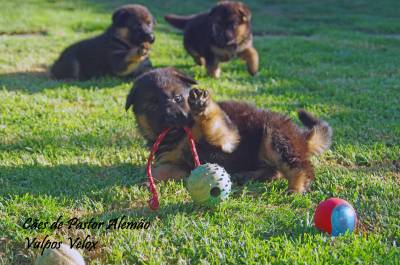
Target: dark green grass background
[{"x": 71, "y": 149}]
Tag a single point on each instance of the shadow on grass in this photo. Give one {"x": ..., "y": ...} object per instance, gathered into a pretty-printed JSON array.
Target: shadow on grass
[
  {"x": 144, "y": 211},
  {"x": 37, "y": 81},
  {"x": 68, "y": 181},
  {"x": 48, "y": 141},
  {"x": 290, "y": 231}
]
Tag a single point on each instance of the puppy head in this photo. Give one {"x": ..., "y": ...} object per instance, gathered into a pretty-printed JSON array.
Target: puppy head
[
  {"x": 230, "y": 23},
  {"x": 134, "y": 23},
  {"x": 159, "y": 99}
]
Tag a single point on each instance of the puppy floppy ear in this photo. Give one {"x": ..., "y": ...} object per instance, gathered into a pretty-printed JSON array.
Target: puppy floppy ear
[
  {"x": 213, "y": 11},
  {"x": 184, "y": 77},
  {"x": 119, "y": 17},
  {"x": 130, "y": 99},
  {"x": 245, "y": 13}
]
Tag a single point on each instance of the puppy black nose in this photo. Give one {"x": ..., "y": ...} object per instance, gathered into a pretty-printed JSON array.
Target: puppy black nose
[
  {"x": 151, "y": 38},
  {"x": 171, "y": 119}
]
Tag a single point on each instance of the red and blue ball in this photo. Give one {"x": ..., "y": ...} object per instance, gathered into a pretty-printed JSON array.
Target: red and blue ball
[{"x": 335, "y": 216}]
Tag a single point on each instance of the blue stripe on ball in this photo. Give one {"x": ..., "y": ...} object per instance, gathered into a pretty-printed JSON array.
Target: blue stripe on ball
[{"x": 343, "y": 219}]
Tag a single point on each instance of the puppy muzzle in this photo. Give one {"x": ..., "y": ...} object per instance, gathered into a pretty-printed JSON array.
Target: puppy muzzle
[
  {"x": 149, "y": 37},
  {"x": 175, "y": 119}
]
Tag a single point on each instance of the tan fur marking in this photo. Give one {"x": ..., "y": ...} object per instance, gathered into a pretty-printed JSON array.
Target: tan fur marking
[
  {"x": 129, "y": 69},
  {"x": 267, "y": 153},
  {"x": 134, "y": 57},
  {"x": 145, "y": 127},
  {"x": 224, "y": 54},
  {"x": 123, "y": 33},
  {"x": 163, "y": 172},
  {"x": 214, "y": 71},
  {"x": 200, "y": 60},
  {"x": 250, "y": 56},
  {"x": 174, "y": 155},
  {"x": 211, "y": 125},
  {"x": 298, "y": 178},
  {"x": 241, "y": 32},
  {"x": 298, "y": 181},
  {"x": 317, "y": 143}
]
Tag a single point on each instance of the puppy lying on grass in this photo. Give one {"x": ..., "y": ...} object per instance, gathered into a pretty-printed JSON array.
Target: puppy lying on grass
[
  {"x": 218, "y": 36},
  {"x": 122, "y": 50},
  {"x": 246, "y": 141}
]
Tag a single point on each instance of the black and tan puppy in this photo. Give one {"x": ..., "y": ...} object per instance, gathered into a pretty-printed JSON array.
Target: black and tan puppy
[
  {"x": 218, "y": 36},
  {"x": 248, "y": 142},
  {"x": 122, "y": 50}
]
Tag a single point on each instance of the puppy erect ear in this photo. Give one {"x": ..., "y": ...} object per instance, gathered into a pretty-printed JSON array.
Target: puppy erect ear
[
  {"x": 244, "y": 12},
  {"x": 130, "y": 99},
  {"x": 119, "y": 17},
  {"x": 185, "y": 78}
]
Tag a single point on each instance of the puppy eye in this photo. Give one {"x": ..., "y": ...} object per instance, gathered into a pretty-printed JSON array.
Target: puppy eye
[{"x": 178, "y": 98}]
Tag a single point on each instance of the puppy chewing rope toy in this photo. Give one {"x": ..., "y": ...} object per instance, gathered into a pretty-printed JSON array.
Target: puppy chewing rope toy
[
  {"x": 207, "y": 184},
  {"x": 153, "y": 202}
]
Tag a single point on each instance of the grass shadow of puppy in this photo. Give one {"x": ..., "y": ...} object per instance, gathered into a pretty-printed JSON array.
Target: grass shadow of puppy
[{"x": 36, "y": 81}]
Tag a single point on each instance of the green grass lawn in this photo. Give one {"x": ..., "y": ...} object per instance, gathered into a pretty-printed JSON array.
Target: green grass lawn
[{"x": 70, "y": 148}]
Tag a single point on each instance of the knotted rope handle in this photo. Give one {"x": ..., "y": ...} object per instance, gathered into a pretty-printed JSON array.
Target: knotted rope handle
[{"x": 153, "y": 202}]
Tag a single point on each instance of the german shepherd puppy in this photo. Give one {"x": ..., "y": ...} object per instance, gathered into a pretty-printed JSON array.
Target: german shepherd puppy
[
  {"x": 248, "y": 142},
  {"x": 218, "y": 36},
  {"x": 122, "y": 50}
]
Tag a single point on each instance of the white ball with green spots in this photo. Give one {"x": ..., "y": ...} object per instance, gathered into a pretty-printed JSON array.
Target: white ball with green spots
[
  {"x": 208, "y": 184},
  {"x": 62, "y": 256}
]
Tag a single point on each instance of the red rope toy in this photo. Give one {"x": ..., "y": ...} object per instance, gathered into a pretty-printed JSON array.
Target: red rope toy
[{"x": 153, "y": 202}]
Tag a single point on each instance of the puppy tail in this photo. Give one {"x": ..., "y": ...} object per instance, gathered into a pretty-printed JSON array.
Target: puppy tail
[
  {"x": 178, "y": 22},
  {"x": 319, "y": 135}
]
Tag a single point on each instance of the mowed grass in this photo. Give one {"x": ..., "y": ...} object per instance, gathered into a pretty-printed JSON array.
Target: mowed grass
[{"x": 70, "y": 148}]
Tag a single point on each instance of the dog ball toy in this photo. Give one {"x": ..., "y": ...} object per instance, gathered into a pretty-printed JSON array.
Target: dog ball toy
[
  {"x": 207, "y": 184},
  {"x": 335, "y": 216},
  {"x": 62, "y": 256}
]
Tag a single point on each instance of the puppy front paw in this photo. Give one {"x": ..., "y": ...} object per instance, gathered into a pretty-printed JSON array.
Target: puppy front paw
[
  {"x": 138, "y": 54},
  {"x": 214, "y": 72},
  {"x": 144, "y": 49},
  {"x": 198, "y": 100},
  {"x": 252, "y": 69}
]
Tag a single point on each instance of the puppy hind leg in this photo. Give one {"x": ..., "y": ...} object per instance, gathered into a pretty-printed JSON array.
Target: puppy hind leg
[
  {"x": 76, "y": 70},
  {"x": 164, "y": 172},
  {"x": 66, "y": 69},
  {"x": 280, "y": 152}
]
